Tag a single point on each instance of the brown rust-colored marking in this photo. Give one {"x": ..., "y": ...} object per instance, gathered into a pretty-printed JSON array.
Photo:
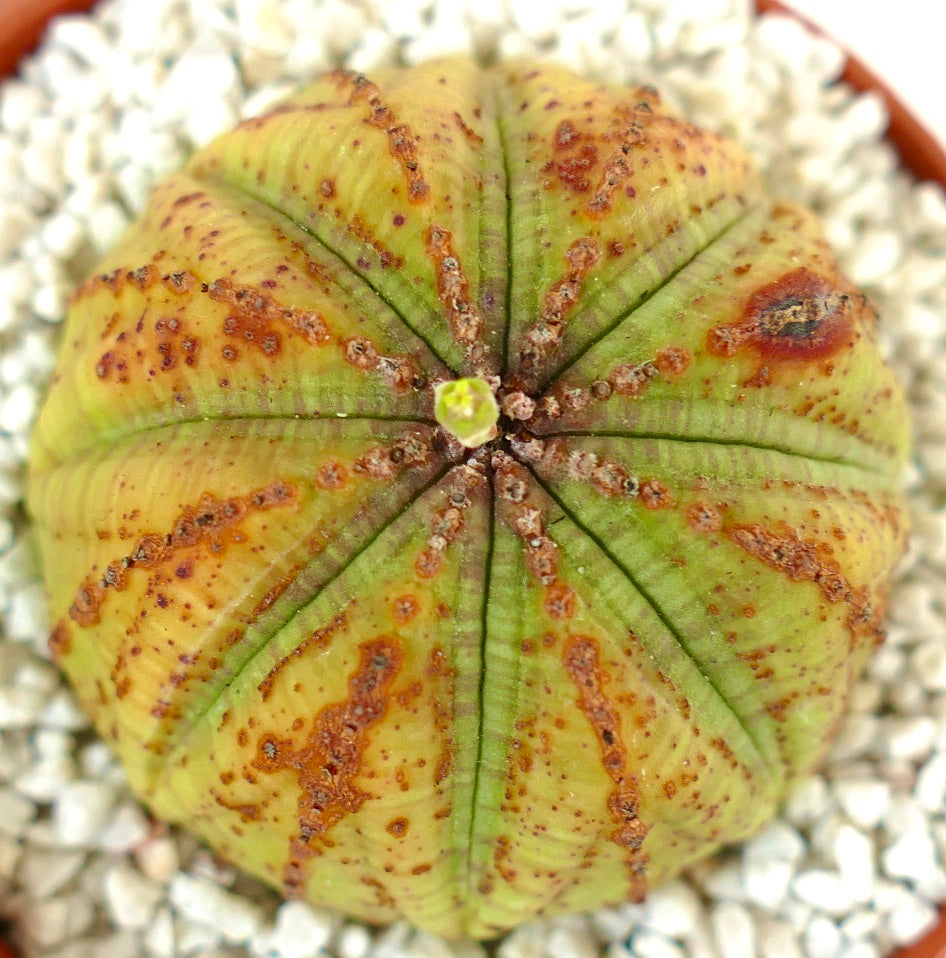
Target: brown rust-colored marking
[
  {"x": 409, "y": 449},
  {"x": 437, "y": 667},
  {"x": 212, "y": 522},
  {"x": 398, "y": 372},
  {"x": 404, "y": 608},
  {"x": 319, "y": 639},
  {"x": 630, "y": 379},
  {"x": 627, "y": 132},
  {"x": 448, "y": 522},
  {"x": 403, "y": 143},
  {"x": 60, "y": 640},
  {"x": 801, "y": 315},
  {"x": 673, "y": 361},
  {"x": 574, "y": 156},
  {"x": 472, "y": 136},
  {"x": 453, "y": 289},
  {"x": 581, "y": 657},
  {"x": 248, "y": 812},
  {"x": 142, "y": 278},
  {"x": 398, "y": 827},
  {"x": 702, "y": 517},
  {"x": 811, "y": 560},
  {"x": 329, "y": 762},
  {"x": 331, "y": 475},
  {"x": 542, "y": 339},
  {"x": 802, "y": 560},
  {"x": 255, "y": 318},
  {"x": 386, "y": 258}
]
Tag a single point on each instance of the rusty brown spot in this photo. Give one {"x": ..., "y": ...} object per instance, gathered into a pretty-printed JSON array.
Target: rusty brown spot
[
  {"x": 256, "y": 318},
  {"x": 379, "y": 462},
  {"x": 403, "y": 143},
  {"x": 673, "y": 361},
  {"x": 328, "y": 763},
  {"x": 702, "y": 517},
  {"x": 542, "y": 339},
  {"x": 212, "y": 522},
  {"x": 60, "y": 640},
  {"x": 630, "y": 379},
  {"x": 248, "y": 812},
  {"x": 471, "y": 135},
  {"x": 331, "y": 475},
  {"x": 398, "y": 827},
  {"x": 404, "y": 608},
  {"x": 654, "y": 495},
  {"x": 801, "y": 315},
  {"x": 319, "y": 639},
  {"x": 386, "y": 258},
  {"x": 560, "y": 600},
  {"x": 438, "y": 667},
  {"x": 581, "y": 657},
  {"x": 574, "y": 155},
  {"x": 453, "y": 289}
]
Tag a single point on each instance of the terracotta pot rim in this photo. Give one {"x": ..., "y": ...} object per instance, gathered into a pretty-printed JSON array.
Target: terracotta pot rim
[{"x": 918, "y": 148}]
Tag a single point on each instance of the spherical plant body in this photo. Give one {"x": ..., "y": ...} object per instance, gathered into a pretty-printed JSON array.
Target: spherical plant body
[{"x": 465, "y": 496}]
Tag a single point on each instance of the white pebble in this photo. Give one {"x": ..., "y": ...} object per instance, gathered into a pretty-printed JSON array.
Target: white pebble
[
  {"x": 17, "y": 410},
  {"x": 908, "y": 738},
  {"x": 910, "y": 918},
  {"x": 82, "y": 809},
  {"x": 16, "y": 222},
  {"x": 930, "y": 790},
  {"x": 46, "y": 871},
  {"x": 569, "y": 942},
  {"x": 537, "y": 22},
  {"x": 864, "y": 801},
  {"x": 57, "y": 919},
  {"x": 125, "y": 830},
  {"x": 859, "y": 949},
  {"x": 11, "y": 851},
  {"x": 672, "y": 909},
  {"x": 806, "y": 801},
  {"x": 197, "y": 938},
  {"x": 877, "y": 253},
  {"x": 44, "y": 779},
  {"x": 159, "y": 937},
  {"x": 49, "y": 302},
  {"x": 767, "y": 882},
  {"x": 822, "y": 939},
  {"x": 733, "y": 930},
  {"x": 130, "y": 897},
  {"x": 778, "y": 940},
  {"x": 854, "y": 856},
  {"x": 157, "y": 858},
  {"x": 633, "y": 39},
  {"x": 20, "y": 708},
  {"x": 650, "y": 944},
  {"x": 20, "y": 102},
  {"x": 207, "y": 904},
  {"x": 824, "y": 890},
  {"x": 18, "y": 811},
  {"x": 300, "y": 931},
  {"x": 353, "y": 941},
  {"x": 106, "y": 224},
  {"x": 860, "y": 923}
]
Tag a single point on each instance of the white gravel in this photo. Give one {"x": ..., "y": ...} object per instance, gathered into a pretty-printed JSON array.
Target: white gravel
[{"x": 855, "y": 864}]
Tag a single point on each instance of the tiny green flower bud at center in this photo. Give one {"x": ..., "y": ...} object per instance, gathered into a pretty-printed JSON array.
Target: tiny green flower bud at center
[{"x": 467, "y": 409}]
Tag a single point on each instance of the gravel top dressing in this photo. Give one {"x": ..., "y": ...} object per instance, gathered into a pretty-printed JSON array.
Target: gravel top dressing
[{"x": 853, "y": 866}]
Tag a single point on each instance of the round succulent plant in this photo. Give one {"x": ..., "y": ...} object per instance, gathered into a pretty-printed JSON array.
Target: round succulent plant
[{"x": 463, "y": 495}]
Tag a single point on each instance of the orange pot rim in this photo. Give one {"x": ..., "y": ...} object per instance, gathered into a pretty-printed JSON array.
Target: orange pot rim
[{"x": 919, "y": 151}]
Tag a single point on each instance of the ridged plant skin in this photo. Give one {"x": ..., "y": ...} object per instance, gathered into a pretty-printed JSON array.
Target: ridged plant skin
[{"x": 468, "y": 686}]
